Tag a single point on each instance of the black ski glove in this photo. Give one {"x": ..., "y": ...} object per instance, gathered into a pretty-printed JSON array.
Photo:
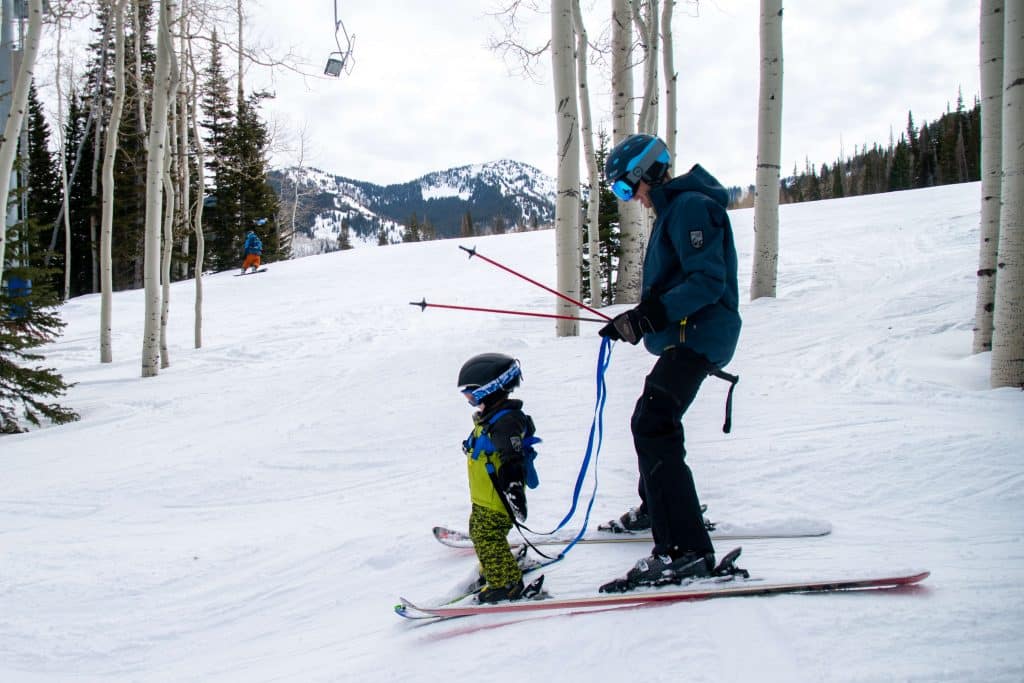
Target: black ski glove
[
  {"x": 516, "y": 496},
  {"x": 510, "y": 478},
  {"x": 631, "y": 326}
]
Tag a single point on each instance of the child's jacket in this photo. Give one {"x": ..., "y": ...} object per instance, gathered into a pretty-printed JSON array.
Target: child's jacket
[{"x": 496, "y": 445}]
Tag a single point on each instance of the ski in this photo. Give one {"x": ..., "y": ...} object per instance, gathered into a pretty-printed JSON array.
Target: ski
[
  {"x": 261, "y": 270},
  {"x": 724, "y": 587},
  {"x": 783, "y": 528}
]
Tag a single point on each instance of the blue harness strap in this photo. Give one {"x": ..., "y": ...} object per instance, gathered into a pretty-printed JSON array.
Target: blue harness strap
[
  {"x": 593, "y": 448},
  {"x": 483, "y": 444}
]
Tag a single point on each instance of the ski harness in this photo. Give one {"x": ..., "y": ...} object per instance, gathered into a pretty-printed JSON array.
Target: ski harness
[{"x": 476, "y": 445}]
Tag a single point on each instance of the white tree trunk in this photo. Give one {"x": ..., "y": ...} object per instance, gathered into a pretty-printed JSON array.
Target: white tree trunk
[
  {"x": 631, "y": 214},
  {"x": 155, "y": 151},
  {"x": 991, "y": 54},
  {"x": 593, "y": 173},
  {"x": 63, "y": 165},
  {"x": 671, "y": 78},
  {"x": 645, "y": 16},
  {"x": 140, "y": 81},
  {"x": 1008, "y": 323},
  {"x": 184, "y": 179},
  {"x": 109, "y": 156},
  {"x": 12, "y": 126},
  {"x": 167, "y": 244},
  {"x": 198, "y": 218},
  {"x": 567, "y": 204},
  {"x": 169, "y": 205},
  {"x": 769, "y": 147}
]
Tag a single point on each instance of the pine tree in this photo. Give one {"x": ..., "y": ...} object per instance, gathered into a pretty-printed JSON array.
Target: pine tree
[
  {"x": 412, "y": 230},
  {"x": 255, "y": 201},
  {"x": 220, "y": 218},
  {"x": 466, "y": 229},
  {"x": 608, "y": 231},
  {"x": 28, "y": 320},
  {"x": 344, "y": 237}
]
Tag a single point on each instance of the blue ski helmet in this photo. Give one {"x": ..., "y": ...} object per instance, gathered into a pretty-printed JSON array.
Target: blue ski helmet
[
  {"x": 486, "y": 373},
  {"x": 638, "y": 157}
]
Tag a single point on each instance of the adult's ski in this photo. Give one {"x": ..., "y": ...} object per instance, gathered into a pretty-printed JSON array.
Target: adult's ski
[
  {"x": 782, "y": 528},
  {"x": 702, "y": 590}
]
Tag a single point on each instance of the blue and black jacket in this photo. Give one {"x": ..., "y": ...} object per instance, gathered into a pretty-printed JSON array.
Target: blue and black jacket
[
  {"x": 690, "y": 266},
  {"x": 253, "y": 245}
]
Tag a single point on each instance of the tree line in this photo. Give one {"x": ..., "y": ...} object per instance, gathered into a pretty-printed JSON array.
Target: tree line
[{"x": 942, "y": 152}]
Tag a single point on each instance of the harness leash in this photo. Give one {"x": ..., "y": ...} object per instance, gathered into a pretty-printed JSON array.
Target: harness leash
[{"x": 594, "y": 441}]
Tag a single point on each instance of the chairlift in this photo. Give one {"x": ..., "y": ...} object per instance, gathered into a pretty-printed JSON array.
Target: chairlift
[{"x": 341, "y": 60}]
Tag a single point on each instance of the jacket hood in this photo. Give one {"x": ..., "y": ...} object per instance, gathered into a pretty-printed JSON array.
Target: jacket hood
[{"x": 697, "y": 179}]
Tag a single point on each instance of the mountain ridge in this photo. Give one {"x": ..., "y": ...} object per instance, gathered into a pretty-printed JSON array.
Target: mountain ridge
[{"x": 497, "y": 196}]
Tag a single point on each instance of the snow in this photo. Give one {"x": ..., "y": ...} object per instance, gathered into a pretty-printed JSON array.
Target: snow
[{"x": 253, "y": 513}]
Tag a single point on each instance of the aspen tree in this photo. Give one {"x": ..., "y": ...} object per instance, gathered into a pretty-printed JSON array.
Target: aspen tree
[
  {"x": 631, "y": 219},
  {"x": 19, "y": 104},
  {"x": 991, "y": 56},
  {"x": 155, "y": 150},
  {"x": 1008, "y": 320},
  {"x": 769, "y": 145},
  {"x": 109, "y": 157},
  {"x": 567, "y": 202}
]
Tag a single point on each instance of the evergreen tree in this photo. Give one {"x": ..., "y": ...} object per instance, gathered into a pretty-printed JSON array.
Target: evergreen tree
[
  {"x": 81, "y": 202},
  {"x": 221, "y": 216},
  {"x": 901, "y": 169},
  {"x": 467, "y": 225},
  {"x": 344, "y": 238},
  {"x": 28, "y": 320},
  {"x": 412, "y": 230},
  {"x": 427, "y": 230},
  {"x": 44, "y": 190},
  {"x": 257, "y": 203},
  {"x": 838, "y": 189},
  {"x": 608, "y": 230},
  {"x": 913, "y": 151}
]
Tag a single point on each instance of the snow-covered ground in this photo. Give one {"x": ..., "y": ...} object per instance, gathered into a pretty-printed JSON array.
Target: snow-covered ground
[{"x": 252, "y": 513}]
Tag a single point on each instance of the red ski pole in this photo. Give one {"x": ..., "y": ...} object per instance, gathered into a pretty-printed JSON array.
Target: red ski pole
[
  {"x": 423, "y": 306},
  {"x": 473, "y": 252}
]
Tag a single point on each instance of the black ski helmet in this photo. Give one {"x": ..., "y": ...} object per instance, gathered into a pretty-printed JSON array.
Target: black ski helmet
[
  {"x": 486, "y": 373},
  {"x": 638, "y": 157}
]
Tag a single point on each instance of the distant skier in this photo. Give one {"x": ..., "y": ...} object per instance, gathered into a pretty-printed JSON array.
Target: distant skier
[
  {"x": 688, "y": 317},
  {"x": 499, "y": 454},
  {"x": 252, "y": 249}
]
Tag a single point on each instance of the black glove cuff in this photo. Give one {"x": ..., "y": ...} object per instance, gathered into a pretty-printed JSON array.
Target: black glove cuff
[{"x": 652, "y": 315}]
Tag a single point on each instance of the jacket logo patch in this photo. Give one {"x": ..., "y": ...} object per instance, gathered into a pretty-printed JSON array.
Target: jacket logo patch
[{"x": 697, "y": 239}]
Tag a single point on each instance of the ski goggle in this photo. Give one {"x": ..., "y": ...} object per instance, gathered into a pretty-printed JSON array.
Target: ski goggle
[
  {"x": 625, "y": 187},
  {"x": 476, "y": 394},
  {"x": 623, "y": 190}
]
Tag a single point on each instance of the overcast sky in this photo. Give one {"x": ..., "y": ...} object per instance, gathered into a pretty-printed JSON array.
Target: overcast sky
[{"x": 426, "y": 92}]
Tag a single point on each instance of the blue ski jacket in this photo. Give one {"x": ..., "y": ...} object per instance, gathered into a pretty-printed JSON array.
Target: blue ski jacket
[
  {"x": 253, "y": 245},
  {"x": 690, "y": 266}
]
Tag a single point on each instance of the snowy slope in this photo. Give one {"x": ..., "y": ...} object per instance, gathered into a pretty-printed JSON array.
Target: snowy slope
[{"x": 252, "y": 513}]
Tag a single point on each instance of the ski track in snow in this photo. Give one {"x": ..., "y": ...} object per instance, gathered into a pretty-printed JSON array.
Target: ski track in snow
[{"x": 253, "y": 512}]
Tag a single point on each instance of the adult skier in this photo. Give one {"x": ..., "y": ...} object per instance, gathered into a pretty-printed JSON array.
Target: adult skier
[{"x": 688, "y": 317}]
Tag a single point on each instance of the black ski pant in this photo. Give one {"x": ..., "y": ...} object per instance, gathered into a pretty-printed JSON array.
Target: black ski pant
[{"x": 666, "y": 483}]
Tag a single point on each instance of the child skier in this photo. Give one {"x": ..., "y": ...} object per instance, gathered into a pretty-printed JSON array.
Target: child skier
[{"x": 498, "y": 453}]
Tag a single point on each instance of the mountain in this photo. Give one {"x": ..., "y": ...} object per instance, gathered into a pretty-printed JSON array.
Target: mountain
[{"x": 498, "y": 196}]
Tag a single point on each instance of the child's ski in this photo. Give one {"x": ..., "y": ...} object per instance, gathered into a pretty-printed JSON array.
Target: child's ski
[
  {"x": 783, "y": 528},
  {"x": 701, "y": 590}
]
